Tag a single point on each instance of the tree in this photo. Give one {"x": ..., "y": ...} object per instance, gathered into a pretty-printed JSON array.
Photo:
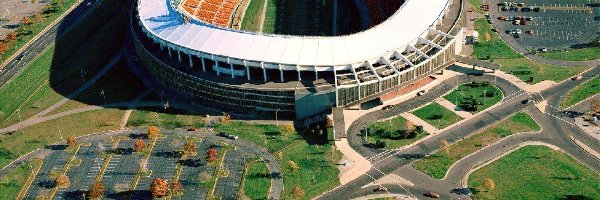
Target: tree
[
  {"x": 62, "y": 181},
  {"x": 487, "y": 37},
  {"x": 11, "y": 36},
  {"x": 176, "y": 188},
  {"x": 293, "y": 166},
  {"x": 159, "y": 188},
  {"x": 288, "y": 128},
  {"x": 445, "y": 146},
  {"x": 189, "y": 148},
  {"x": 153, "y": 132},
  {"x": 71, "y": 142},
  {"x": 298, "y": 192},
  {"x": 211, "y": 155},
  {"x": 225, "y": 119},
  {"x": 96, "y": 190},
  {"x": 489, "y": 184},
  {"x": 26, "y": 20},
  {"x": 595, "y": 105},
  {"x": 410, "y": 127},
  {"x": 419, "y": 129},
  {"x": 139, "y": 145}
]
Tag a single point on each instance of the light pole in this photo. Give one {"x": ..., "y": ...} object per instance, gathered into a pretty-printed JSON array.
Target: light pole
[
  {"x": 103, "y": 96},
  {"x": 276, "y": 119}
]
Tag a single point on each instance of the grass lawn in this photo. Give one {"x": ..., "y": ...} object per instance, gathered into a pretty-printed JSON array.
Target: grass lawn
[
  {"x": 429, "y": 112},
  {"x": 590, "y": 53},
  {"x": 11, "y": 184},
  {"x": 437, "y": 164},
  {"x": 252, "y": 16},
  {"x": 395, "y": 124},
  {"x": 476, "y": 5},
  {"x": 37, "y": 136},
  {"x": 536, "y": 172},
  {"x": 468, "y": 90},
  {"x": 26, "y": 33},
  {"x": 257, "y": 181},
  {"x": 582, "y": 92},
  {"x": 539, "y": 71},
  {"x": 46, "y": 80},
  {"x": 270, "y": 17},
  {"x": 169, "y": 119},
  {"x": 317, "y": 171},
  {"x": 490, "y": 45}
]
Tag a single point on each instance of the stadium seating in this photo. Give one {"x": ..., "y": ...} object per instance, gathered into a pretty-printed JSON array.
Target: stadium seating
[{"x": 217, "y": 12}]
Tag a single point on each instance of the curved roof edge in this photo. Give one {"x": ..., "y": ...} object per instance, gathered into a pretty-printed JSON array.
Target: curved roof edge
[{"x": 414, "y": 18}]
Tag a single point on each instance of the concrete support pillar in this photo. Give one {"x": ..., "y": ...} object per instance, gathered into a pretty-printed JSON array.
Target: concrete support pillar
[
  {"x": 299, "y": 77},
  {"x": 217, "y": 68},
  {"x": 281, "y": 74},
  {"x": 262, "y": 65},
  {"x": 203, "y": 64},
  {"x": 179, "y": 56},
  {"x": 247, "y": 70},
  {"x": 316, "y": 74},
  {"x": 161, "y": 47},
  {"x": 169, "y": 50},
  {"x": 231, "y": 67},
  {"x": 191, "y": 61}
]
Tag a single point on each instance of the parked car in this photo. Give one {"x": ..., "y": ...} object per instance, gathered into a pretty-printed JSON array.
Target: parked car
[
  {"x": 576, "y": 78},
  {"x": 233, "y": 137},
  {"x": 422, "y": 92},
  {"x": 380, "y": 189},
  {"x": 432, "y": 195},
  {"x": 223, "y": 134},
  {"x": 387, "y": 107},
  {"x": 543, "y": 49},
  {"x": 191, "y": 129},
  {"x": 20, "y": 57}
]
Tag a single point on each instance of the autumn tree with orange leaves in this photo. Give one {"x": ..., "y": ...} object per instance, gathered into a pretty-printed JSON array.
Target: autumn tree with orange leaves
[
  {"x": 71, "y": 141},
  {"x": 153, "y": 132},
  {"x": 139, "y": 145},
  {"x": 176, "y": 188},
  {"x": 211, "y": 155},
  {"x": 189, "y": 148},
  {"x": 97, "y": 190},
  {"x": 159, "y": 188}
]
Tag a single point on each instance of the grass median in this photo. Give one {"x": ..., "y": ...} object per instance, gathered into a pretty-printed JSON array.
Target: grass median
[
  {"x": 436, "y": 115},
  {"x": 394, "y": 132},
  {"x": 523, "y": 68},
  {"x": 490, "y": 45},
  {"x": 483, "y": 94},
  {"x": 257, "y": 181},
  {"x": 584, "y": 54},
  {"x": 535, "y": 172},
  {"x": 437, "y": 164},
  {"x": 582, "y": 92}
]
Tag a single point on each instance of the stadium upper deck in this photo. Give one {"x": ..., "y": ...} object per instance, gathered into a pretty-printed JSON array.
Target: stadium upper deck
[{"x": 164, "y": 23}]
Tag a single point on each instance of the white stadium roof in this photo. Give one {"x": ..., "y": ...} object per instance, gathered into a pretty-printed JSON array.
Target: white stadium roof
[{"x": 404, "y": 27}]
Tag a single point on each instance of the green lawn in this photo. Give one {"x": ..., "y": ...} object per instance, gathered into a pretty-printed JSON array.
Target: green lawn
[
  {"x": 437, "y": 164},
  {"x": 11, "y": 184},
  {"x": 47, "y": 79},
  {"x": 524, "y": 68},
  {"x": 37, "y": 136},
  {"x": 169, "y": 119},
  {"x": 270, "y": 17},
  {"x": 493, "y": 47},
  {"x": 468, "y": 90},
  {"x": 582, "y": 92},
  {"x": 26, "y": 33},
  {"x": 377, "y": 132},
  {"x": 252, "y": 16},
  {"x": 536, "y": 172},
  {"x": 317, "y": 162},
  {"x": 257, "y": 181},
  {"x": 590, "y": 53},
  {"x": 437, "y": 115},
  {"x": 476, "y": 5}
]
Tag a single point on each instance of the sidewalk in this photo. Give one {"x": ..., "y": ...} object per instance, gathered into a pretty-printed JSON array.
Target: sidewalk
[
  {"x": 358, "y": 165},
  {"x": 418, "y": 121},
  {"x": 450, "y": 106}
]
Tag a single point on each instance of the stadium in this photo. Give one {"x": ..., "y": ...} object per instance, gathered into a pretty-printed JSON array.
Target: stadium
[{"x": 305, "y": 58}]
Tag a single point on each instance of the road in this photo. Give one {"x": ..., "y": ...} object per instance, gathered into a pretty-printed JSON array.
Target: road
[
  {"x": 15, "y": 66},
  {"x": 557, "y": 131}
]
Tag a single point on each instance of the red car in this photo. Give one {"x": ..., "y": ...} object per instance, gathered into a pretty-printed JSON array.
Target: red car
[{"x": 432, "y": 195}]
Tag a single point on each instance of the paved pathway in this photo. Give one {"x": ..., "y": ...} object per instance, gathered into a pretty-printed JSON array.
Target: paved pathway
[{"x": 418, "y": 121}]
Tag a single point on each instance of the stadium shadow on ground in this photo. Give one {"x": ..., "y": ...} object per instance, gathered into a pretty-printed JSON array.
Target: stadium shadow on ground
[{"x": 84, "y": 49}]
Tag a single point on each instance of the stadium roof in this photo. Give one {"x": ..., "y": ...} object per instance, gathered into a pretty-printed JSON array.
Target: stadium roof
[{"x": 411, "y": 21}]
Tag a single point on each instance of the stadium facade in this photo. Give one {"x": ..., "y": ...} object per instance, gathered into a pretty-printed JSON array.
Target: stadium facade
[{"x": 302, "y": 76}]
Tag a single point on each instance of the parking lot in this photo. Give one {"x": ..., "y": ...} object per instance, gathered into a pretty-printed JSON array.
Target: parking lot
[
  {"x": 558, "y": 25},
  {"x": 122, "y": 166}
]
